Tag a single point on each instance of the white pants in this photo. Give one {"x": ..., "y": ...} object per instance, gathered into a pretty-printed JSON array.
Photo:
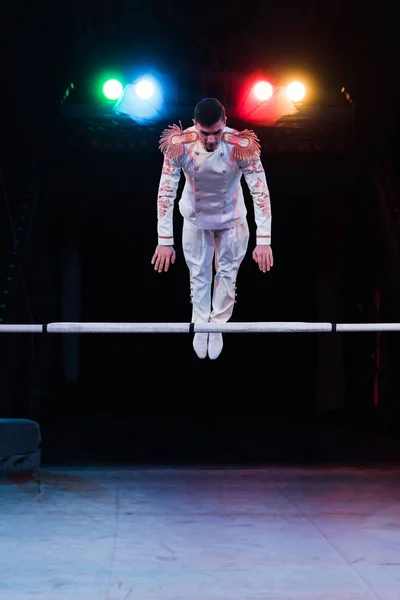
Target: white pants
[{"x": 200, "y": 246}]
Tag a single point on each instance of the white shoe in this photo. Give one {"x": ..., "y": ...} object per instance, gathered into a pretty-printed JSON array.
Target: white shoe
[
  {"x": 215, "y": 345},
  {"x": 200, "y": 341}
]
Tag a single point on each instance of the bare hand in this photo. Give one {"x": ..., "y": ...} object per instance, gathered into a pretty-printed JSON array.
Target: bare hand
[
  {"x": 263, "y": 257},
  {"x": 163, "y": 257}
]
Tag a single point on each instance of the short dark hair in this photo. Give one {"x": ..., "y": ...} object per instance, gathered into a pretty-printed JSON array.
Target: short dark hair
[{"x": 209, "y": 111}]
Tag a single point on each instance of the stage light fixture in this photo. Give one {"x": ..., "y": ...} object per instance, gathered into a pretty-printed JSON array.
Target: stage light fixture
[
  {"x": 144, "y": 88},
  {"x": 112, "y": 89},
  {"x": 295, "y": 91},
  {"x": 263, "y": 90}
]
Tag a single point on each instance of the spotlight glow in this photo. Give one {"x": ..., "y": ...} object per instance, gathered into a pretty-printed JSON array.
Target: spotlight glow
[
  {"x": 144, "y": 89},
  {"x": 295, "y": 91},
  {"x": 263, "y": 90},
  {"x": 144, "y": 100},
  {"x": 112, "y": 89}
]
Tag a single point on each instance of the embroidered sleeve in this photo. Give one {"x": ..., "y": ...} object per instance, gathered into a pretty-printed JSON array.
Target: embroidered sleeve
[
  {"x": 167, "y": 189},
  {"x": 173, "y": 140},
  {"x": 254, "y": 175},
  {"x": 246, "y": 144}
]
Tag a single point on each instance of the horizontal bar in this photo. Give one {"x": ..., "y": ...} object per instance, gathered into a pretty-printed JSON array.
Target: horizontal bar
[
  {"x": 343, "y": 327},
  {"x": 253, "y": 327},
  {"x": 16, "y": 328},
  {"x": 118, "y": 327},
  {"x": 250, "y": 327}
]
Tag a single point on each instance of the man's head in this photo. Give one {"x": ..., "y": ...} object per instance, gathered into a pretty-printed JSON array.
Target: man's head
[{"x": 210, "y": 120}]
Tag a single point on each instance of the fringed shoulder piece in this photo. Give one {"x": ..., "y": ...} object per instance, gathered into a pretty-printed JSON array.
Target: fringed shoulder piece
[
  {"x": 173, "y": 139},
  {"x": 247, "y": 145}
]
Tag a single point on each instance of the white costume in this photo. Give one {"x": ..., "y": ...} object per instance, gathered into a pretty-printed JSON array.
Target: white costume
[{"x": 214, "y": 211}]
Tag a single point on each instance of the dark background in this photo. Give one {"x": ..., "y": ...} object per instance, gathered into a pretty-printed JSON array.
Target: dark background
[{"x": 291, "y": 396}]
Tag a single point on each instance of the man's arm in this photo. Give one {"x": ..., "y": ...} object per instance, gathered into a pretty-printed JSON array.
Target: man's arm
[
  {"x": 254, "y": 175},
  {"x": 164, "y": 254},
  {"x": 255, "y": 178},
  {"x": 168, "y": 186}
]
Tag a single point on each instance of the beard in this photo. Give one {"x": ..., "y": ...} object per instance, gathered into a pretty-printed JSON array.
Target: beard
[{"x": 212, "y": 147}]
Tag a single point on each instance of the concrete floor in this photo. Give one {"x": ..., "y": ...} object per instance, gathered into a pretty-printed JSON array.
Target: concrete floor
[{"x": 140, "y": 533}]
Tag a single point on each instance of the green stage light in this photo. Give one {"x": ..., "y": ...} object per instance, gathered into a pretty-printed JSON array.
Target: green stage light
[{"x": 112, "y": 89}]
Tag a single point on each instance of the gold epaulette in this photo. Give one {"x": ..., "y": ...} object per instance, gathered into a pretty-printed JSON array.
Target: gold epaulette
[
  {"x": 173, "y": 140},
  {"x": 247, "y": 144}
]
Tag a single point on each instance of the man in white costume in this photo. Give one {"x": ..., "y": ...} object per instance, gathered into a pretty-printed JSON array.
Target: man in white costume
[{"x": 213, "y": 158}]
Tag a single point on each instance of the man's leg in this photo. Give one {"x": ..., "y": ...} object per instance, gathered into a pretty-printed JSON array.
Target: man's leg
[
  {"x": 230, "y": 250},
  {"x": 198, "y": 249}
]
